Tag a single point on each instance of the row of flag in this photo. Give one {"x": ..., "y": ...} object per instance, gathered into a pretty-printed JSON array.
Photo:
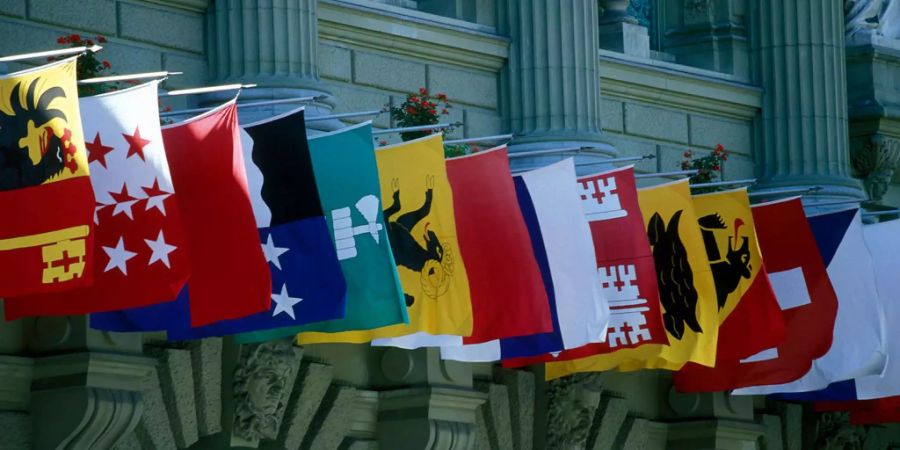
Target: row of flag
[{"x": 208, "y": 228}]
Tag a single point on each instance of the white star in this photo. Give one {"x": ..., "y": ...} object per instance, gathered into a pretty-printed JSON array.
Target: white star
[
  {"x": 160, "y": 250},
  {"x": 157, "y": 202},
  {"x": 96, "y": 210},
  {"x": 273, "y": 253},
  {"x": 118, "y": 257},
  {"x": 284, "y": 303},
  {"x": 124, "y": 207}
]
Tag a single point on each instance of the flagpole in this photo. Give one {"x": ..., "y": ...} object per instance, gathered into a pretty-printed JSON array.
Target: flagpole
[
  {"x": 51, "y": 53},
  {"x": 881, "y": 213},
  {"x": 417, "y": 128},
  {"x": 835, "y": 203},
  {"x": 245, "y": 105},
  {"x": 724, "y": 183},
  {"x": 796, "y": 191},
  {"x": 498, "y": 137},
  {"x": 207, "y": 89},
  {"x": 373, "y": 112},
  {"x": 617, "y": 160},
  {"x": 667, "y": 174},
  {"x": 126, "y": 77},
  {"x": 551, "y": 151}
]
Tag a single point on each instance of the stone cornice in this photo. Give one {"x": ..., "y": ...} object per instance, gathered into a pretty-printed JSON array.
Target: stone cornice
[
  {"x": 677, "y": 87},
  {"x": 187, "y": 5},
  {"x": 15, "y": 382},
  {"x": 92, "y": 369},
  {"x": 411, "y": 33}
]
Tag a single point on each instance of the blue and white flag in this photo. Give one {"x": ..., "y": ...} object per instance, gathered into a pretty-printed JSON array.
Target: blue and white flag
[
  {"x": 307, "y": 282},
  {"x": 564, "y": 249},
  {"x": 858, "y": 343}
]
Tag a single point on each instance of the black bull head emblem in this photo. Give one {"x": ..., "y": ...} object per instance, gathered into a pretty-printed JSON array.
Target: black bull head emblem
[{"x": 727, "y": 272}]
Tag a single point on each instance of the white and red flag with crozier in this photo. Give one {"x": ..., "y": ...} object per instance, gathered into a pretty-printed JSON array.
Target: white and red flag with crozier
[{"x": 139, "y": 248}]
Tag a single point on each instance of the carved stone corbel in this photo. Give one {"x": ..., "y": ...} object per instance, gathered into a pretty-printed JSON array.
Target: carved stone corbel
[
  {"x": 572, "y": 403},
  {"x": 875, "y": 162},
  {"x": 263, "y": 380},
  {"x": 834, "y": 432}
]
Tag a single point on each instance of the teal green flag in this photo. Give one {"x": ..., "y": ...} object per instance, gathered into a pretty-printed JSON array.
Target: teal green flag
[{"x": 349, "y": 189}]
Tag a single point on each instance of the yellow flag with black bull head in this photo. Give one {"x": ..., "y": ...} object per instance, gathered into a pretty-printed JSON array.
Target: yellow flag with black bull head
[
  {"x": 418, "y": 209},
  {"x": 686, "y": 289}
]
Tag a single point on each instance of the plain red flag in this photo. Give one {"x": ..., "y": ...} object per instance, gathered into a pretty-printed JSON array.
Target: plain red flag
[
  {"x": 625, "y": 266},
  {"x": 507, "y": 292},
  {"x": 229, "y": 275},
  {"x": 805, "y": 296},
  {"x": 141, "y": 257}
]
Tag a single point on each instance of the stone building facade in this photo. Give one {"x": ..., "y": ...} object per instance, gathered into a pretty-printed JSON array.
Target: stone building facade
[{"x": 804, "y": 92}]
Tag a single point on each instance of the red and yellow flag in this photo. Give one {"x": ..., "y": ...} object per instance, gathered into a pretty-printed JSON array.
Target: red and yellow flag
[
  {"x": 45, "y": 192},
  {"x": 686, "y": 290}
]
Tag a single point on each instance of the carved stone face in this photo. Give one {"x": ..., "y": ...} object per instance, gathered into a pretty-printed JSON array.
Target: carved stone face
[
  {"x": 265, "y": 389},
  {"x": 260, "y": 389}
]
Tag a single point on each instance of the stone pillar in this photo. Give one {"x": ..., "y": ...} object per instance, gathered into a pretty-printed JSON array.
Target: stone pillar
[
  {"x": 709, "y": 34},
  {"x": 271, "y": 43},
  {"x": 423, "y": 401},
  {"x": 85, "y": 385},
  {"x": 798, "y": 50},
  {"x": 550, "y": 87},
  {"x": 619, "y": 31}
]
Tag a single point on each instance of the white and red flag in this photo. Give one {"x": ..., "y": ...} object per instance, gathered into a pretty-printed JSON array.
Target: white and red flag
[{"x": 140, "y": 255}]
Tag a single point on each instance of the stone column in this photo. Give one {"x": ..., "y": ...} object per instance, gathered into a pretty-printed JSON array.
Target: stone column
[
  {"x": 798, "y": 52},
  {"x": 271, "y": 43},
  {"x": 550, "y": 87}
]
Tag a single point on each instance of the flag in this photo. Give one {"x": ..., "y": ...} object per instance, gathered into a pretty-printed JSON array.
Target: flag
[
  {"x": 229, "y": 275},
  {"x": 307, "y": 283},
  {"x": 686, "y": 289},
  {"x": 46, "y": 237},
  {"x": 561, "y": 240},
  {"x": 422, "y": 231},
  {"x": 804, "y": 294},
  {"x": 140, "y": 250},
  {"x": 508, "y": 296},
  {"x": 858, "y": 339},
  {"x": 624, "y": 263},
  {"x": 347, "y": 180}
]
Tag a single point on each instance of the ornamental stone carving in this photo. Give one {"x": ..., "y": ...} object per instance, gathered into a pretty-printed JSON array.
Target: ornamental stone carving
[
  {"x": 697, "y": 10},
  {"x": 261, "y": 389},
  {"x": 876, "y": 162},
  {"x": 879, "y": 17},
  {"x": 834, "y": 432},
  {"x": 615, "y": 11},
  {"x": 572, "y": 403}
]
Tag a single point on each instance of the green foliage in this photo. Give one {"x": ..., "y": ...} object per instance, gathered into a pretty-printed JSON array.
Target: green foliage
[{"x": 709, "y": 167}]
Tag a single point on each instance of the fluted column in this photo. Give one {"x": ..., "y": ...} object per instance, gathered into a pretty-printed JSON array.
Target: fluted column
[
  {"x": 551, "y": 85},
  {"x": 798, "y": 49},
  {"x": 273, "y": 43}
]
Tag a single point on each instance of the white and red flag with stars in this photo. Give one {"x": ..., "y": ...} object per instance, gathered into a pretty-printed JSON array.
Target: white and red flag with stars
[{"x": 140, "y": 256}]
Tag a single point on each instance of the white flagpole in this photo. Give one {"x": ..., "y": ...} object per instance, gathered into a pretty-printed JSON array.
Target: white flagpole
[
  {"x": 417, "y": 128},
  {"x": 373, "y": 112},
  {"x": 881, "y": 213},
  {"x": 617, "y": 160},
  {"x": 182, "y": 112},
  {"x": 130, "y": 76},
  {"x": 794, "y": 191},
  {"x": 834, "y": 203},
  {"x": 724, "y": 183},
  {"x": 51, "y": 53},
  {"x": 206, "y": 89},
  {"x": 667, "y": 174},
  {"x": 498, "y": 137},
  {"x": 550, "y": 151}
]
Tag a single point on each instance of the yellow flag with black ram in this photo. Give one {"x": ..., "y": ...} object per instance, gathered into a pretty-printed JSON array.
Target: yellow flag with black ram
[
  {"x": 421, "y": 226},
  {"x": 45, "y": 193},
  {"x": 686, "y": 289}
]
